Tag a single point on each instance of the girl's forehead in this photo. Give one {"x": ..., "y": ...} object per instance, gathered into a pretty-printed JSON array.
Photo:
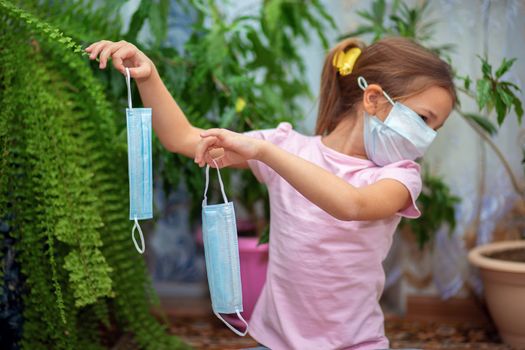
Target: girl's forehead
[
  {"x": 434, "y": 96},
  {"x": 435, "y": 101}
]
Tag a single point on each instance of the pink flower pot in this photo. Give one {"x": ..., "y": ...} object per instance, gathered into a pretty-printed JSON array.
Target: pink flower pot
[{"x": 254, "y": 263}]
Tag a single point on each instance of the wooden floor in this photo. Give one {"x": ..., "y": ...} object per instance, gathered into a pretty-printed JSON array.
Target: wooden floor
[{"x": 193, "y": 321}]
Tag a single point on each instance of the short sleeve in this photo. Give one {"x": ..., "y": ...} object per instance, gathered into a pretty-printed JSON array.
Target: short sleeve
[
  {"x": 408, "y": 173},
  {"x": 277, "y": 136}
]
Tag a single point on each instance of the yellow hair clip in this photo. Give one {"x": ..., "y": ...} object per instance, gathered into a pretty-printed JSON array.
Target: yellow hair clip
[{"x": 344, "y": 61}]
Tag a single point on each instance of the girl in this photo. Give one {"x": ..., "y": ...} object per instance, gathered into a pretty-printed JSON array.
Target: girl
[{"x": 337, "y": 197}]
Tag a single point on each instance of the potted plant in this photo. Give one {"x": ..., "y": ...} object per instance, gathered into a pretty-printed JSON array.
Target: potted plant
[{"x": 502, "y": 264}]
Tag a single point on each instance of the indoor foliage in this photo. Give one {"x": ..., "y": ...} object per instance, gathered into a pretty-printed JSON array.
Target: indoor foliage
[
  {"x": 240, "y": 69},
  {"x": 63, "y": 197},
  {"x": 491, "y": 92}
]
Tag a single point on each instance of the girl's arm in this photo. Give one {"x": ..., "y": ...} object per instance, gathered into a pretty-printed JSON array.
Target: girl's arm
[
  {"x": 328, "y": 191},
  {"x": 331, "y": 193},
  {"x": 169, "y": 122}
]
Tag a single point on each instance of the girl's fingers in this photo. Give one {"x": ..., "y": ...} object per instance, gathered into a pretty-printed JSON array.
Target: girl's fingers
[
  {"x": 122, "y": 53},
  {"x": 96, "y": 48},
  {"x": 219, "y": 133},
  {"x": 141, "y": 71},
  {"x": 202, "y": 149},
  {"x": 214, "y": 162},
  {"x": 108, "y": 51}
]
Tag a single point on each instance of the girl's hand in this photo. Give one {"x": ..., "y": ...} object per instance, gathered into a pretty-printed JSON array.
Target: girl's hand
[
  {"x": 123, "y": 54},
  {"x": 236, "y": 148}
]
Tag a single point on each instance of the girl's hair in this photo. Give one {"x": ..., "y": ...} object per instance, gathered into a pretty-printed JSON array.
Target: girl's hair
[{"x": 400, "y": 66}]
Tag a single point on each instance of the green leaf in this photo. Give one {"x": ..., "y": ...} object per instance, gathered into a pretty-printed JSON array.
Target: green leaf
[
  {"x": 486, "y": 68},
  {"x": 324, "y": 13},
  {"x": 358, "y": 32},
  {"x": 505, "y": 66},
  {"x": 505, "y": 95},
  {"x": 501, "y": 109},
  {"x": 265, "y": 237},
  {"x": 483, "y": 92},
  {"x": 466, "y": 82},
  {"x": 483, "y": 122},
  {"x": 379, "y": 10},
  {"x": 518, "y": 108},
  {"x": 138, "y": 18},
  {"x": 158, "y": 21},
  {"x": 508, "y": 83},
  {"x": 509, "y": 98}
]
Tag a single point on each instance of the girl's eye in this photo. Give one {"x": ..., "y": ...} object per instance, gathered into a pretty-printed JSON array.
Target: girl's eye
[{"x": 425, "y": 119}]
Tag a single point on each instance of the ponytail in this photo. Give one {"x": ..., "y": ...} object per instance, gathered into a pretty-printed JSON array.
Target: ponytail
[{"x": 330, "y": 102}]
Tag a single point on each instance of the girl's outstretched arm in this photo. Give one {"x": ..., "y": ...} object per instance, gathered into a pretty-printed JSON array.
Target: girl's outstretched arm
[
  {"x": 169, "y": 122},
  {"x": 328, "y": 191}
]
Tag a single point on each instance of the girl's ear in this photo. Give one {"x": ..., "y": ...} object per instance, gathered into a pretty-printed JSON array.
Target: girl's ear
[{"x": 372, "y": 98}]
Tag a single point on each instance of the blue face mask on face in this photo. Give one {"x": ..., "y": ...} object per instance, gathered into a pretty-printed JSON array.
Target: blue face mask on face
[
  {"x": 222, "y": 256},
  {"x": 402, "y": 136},
  {"x": 139, "y": 165}
]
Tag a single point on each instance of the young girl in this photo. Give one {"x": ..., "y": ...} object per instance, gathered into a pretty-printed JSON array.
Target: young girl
[{"x": 337, "y": 197}]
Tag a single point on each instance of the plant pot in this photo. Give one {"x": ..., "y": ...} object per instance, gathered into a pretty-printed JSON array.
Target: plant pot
[{"x": 504, "y": 283}]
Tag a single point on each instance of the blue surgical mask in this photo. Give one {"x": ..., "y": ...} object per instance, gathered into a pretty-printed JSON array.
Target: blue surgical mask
[
  {"x": 139, "y": 165},
  {"x": 222, "y": 256},
  {"x": 402, "y": 136}
]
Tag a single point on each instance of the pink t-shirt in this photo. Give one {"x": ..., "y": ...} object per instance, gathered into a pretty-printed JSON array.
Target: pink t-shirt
[{"x": 324, "y": 276}]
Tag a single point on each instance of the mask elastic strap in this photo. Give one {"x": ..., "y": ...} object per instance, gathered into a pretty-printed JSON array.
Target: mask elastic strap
[
  {"x": 139, "y": 249},
  {"x": 363, "y": 85},
  {"x": 205, "y": 200},
  {"x": 236, "y": 331},
  {"x": 128, "y": 83},
  {"x": 136, "y": 225}
]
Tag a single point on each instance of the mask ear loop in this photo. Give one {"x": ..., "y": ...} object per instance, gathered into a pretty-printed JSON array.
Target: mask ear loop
[
  {"x": 220, "y": 182},
  {"x": 205, "y": 200},
  {"x": 363, "y": 85},
  {"x": 236, "y": 331},
  {"x": 141, "y": 248},
  {"x": 128, "y": 84}
]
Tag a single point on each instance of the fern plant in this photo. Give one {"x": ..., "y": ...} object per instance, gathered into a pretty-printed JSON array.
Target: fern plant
[{"x": 64, "y": 194}]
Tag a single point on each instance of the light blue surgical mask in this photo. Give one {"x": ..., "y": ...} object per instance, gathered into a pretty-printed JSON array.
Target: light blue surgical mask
[
  {"x": 402, "y": 136},
  {"x": 139, "y": 165},
  {"x": 222, "y": 256}
]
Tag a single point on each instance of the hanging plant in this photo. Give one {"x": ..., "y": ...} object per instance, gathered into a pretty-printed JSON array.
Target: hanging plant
[{"x": 63, "y": 193}]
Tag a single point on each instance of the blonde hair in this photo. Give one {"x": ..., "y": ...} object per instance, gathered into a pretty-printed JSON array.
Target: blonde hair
[{"x": 399, "y": 65}]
